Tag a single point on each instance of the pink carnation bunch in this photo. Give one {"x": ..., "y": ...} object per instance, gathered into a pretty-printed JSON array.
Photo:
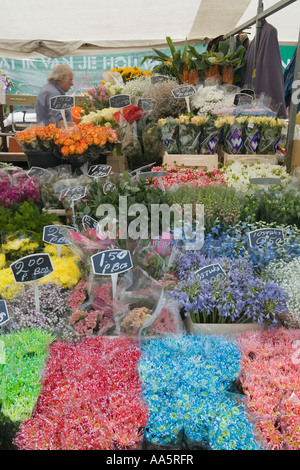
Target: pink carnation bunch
[
  {"x": 90, "y": 399},
  {"x": 186, "y": 175},
  {"x": 270, "y": 378}
]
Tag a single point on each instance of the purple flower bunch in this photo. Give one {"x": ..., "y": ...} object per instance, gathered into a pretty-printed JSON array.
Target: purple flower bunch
[
  {"x": 238, "y": 296},
  {"x": 17, "y": 187},
  {"x": 52, "y": 315}
]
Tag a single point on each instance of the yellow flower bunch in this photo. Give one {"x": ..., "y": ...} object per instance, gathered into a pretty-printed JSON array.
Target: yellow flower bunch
[
  {"x": 20, "y": 244},
  {"x": 129, "y": 73},
  {"x": 8, "y": 286},
  {"x": 224, "y": 120},
  {"x": 2, "y": 260},
  {"x": 65, "y": 272}
]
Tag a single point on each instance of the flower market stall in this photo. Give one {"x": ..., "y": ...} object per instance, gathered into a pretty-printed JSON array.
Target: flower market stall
[{"x": 153, "y": 308}]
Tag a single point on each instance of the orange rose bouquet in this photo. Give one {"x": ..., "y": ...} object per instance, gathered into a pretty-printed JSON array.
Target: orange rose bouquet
[
  {"x": 85, "y": 142},
  {"x": 38, "y": 138}
]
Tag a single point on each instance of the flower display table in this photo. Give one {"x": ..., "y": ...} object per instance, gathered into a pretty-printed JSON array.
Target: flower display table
[{"x": 209, "y": 162}]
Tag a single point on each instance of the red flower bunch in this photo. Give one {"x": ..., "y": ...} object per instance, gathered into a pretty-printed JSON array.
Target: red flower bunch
[
  {"x": 188, "y": 175},
  {"x": 270, "y": 378},
  {"x": 130, "y": 113},
  {"x": 90, "y": 400}
]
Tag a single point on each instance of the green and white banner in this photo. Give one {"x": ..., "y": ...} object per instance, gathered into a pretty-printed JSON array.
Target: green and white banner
[{"x": 30, "y": 75}]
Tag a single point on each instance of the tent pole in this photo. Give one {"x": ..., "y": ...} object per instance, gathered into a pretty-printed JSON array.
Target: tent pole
[
  {"x": 293, "y": 109},
  {"x": 264, "y": 14}
]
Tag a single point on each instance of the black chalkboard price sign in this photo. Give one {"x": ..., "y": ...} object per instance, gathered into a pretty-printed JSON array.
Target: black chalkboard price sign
[
  {"x": 111, "y": 262},
  {"x": 76, "y": 193},
  {"x": 119, "y": 101},
  {"x": 99, "y": 171},
  {"x": 62, "y": 102},
  {"x": 32, "y": 267},
  {"x": 109, "y": 186},
  {"x": 40, "y": 173},
  {"x": 266, "y": 235},
  {"x": 210, "y": 272},
  {"x": 89, "y": 223},
  {"x": 183, "y": 91},
  {"x": 53, "y": 235},
  {"x": 4, "y": 317},
  {"x": 147, "y": 104},
  {"x": 158, "y": 78}
]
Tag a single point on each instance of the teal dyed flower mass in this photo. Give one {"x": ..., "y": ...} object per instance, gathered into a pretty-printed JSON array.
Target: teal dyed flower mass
[{"x": 188, "y": 385}]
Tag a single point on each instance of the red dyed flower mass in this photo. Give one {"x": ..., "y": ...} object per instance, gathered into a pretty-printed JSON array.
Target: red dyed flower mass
[{"x": 90, "y": 400}]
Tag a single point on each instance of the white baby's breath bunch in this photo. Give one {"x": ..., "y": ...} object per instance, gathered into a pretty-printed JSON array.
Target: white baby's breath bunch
[
  {"x": 237, "y": 175},
  {"x": 287, "y": 275},
  {"x": 210, "y": 97},
  {"x": 135, "y": 88}
]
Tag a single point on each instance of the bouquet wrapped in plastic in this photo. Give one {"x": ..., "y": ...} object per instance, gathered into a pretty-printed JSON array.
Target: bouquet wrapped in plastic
[
  {"x": 189, "y": 131},
  {"x": 271, "y": 128},
  {"x": 210, "y": 136},
  {"x": 16, "y": 187},
  {"x": 252, "y": 136},
  {"x": 169, "y": 134},
  {"x": 130, "y": 130},
  {"x": 142, "y": 308},
  {"x": 233, "y": 135}
]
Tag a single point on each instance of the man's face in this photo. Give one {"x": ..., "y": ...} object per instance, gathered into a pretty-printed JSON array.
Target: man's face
[{"x": 66, "y": 82}]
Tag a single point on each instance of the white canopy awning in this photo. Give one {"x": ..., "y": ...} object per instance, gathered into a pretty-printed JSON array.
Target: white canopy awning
[{"x": 71, "y": 27}]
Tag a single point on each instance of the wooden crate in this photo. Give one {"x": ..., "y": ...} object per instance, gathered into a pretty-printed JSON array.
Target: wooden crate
[
  {"x": 208, "y": 162},
  {"x": 118, "y": 164},
  {"x": 247, "y": 159}
]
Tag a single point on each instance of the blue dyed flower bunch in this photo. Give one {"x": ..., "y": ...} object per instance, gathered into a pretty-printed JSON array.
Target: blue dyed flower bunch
[
  {"x": 234, "y": 243},
  {"x": 188, "y": 384},
  {"x": 238, "y": 296}
]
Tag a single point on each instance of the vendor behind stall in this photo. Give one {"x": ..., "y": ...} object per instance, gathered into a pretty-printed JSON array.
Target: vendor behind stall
[{"x": 60, "y": 81}]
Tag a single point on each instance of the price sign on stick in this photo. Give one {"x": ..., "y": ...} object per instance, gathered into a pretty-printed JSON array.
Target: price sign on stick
[
  {"x": 4, "y": 317},
  {"x": 265, "y": 181},
  {"x": 184, "y": 92},
  {"x": 89, "y": 223},
  {"x": 111, "y": 262},
  {"x": 261, "y": 236},
  {"x": 74, "y": 194},
  {"x": 99, "y": 171},
  {"x": 210, "y": 272},
  {"x": 53, "y": 235},
  {"x": 158, "y": 78},
  {"x": 31, "y": 268},
  {"x": 109, "y": 186},
  {"x": 62, "y": 102},
  {"x": 119, "y": 101},
  {"x": 39, "y": 173},
  {"x": 147, "y": 104}
]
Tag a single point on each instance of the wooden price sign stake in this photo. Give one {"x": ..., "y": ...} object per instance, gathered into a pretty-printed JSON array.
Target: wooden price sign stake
[
  {"x": 62, "y": 102},
  {"x": 31, "y": 268},
  {"x": 111, "y": 262},
  {"x": 184, "y": 92}
]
